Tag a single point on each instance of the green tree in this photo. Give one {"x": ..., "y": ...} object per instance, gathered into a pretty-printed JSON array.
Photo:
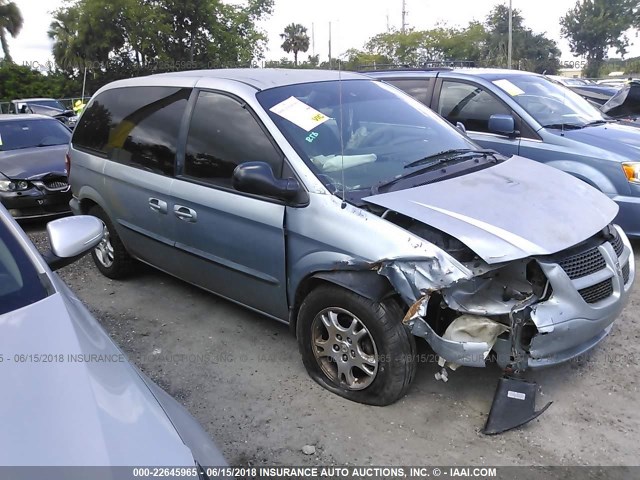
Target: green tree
[
  {"x": 20, "y": 81},
  {"x": 295, "y": 39},
  {"x": 411, "y": 47},
  {"x": 10, "y": 24},
  {"x": 127, "y": 38},
  {"x": 458, "y": 44},
  {"x": 594, "y": 26},
  {"x": 355, "y": 59},
  {"x": 530, "y": 51},
  {"x": 64, "y": 31}
]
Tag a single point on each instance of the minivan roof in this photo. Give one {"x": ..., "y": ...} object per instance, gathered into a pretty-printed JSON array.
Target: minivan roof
[
  {"x": 262, "y": 78},
  {"x": 488, "y": 73}
]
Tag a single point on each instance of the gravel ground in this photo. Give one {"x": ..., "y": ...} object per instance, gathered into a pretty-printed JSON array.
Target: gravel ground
[{"x": 241, "y": 375}]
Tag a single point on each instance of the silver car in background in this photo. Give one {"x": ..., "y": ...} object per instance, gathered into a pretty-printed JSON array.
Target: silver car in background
[
  {"x": 341, "y": 206},
  {"x": 70, "y": 397}
]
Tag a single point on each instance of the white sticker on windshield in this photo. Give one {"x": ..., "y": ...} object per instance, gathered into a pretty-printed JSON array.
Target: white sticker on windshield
[
  {"x": 508, "y": 87},
  {"x": 0, "y": 140},
  {"x": 299, "y": 113}
]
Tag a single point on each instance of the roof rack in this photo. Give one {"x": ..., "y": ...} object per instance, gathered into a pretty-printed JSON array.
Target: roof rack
[
  {"x": 387, "y": 66},
  {"x": 427, "y": 65},
  {"x": 450, "y": 64}
]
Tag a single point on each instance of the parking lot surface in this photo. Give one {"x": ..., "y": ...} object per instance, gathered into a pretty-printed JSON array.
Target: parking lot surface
[{"x": 241, "y": 376}]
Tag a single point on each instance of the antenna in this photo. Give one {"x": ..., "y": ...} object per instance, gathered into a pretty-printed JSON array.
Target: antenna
[
  {"x": 329, "y": 44},
  {"x": 340, "y": 131}
]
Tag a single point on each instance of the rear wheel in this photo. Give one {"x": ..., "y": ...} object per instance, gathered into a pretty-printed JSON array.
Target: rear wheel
[
  {"x": 110, "y": 256},
  {"x": 355, "y": 347}
]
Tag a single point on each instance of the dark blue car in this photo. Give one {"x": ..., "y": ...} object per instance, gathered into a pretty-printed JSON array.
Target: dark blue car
[{"x": 521, "y": 113}]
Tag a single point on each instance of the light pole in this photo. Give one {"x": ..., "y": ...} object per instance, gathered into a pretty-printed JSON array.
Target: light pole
[{"x": 510, "y": 39}]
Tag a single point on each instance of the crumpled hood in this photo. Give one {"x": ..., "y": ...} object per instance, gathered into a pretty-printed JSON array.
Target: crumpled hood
[
  {"x": 62, "y": 410},
  {"x": 32, "y": 162},
  {"x": 622, "y": 139},
  {"x": 516, "y": 209}
]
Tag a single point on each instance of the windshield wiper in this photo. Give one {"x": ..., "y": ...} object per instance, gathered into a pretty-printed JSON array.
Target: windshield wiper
[
  {"x": 432, "y": 160},
  {"x": 445, "y": 156},
  {"x": 564, "y": 126},
  {"x": 598, "y": 122}
]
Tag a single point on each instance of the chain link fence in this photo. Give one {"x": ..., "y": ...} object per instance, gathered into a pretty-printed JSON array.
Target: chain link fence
[{"x": 67, "y": 102}]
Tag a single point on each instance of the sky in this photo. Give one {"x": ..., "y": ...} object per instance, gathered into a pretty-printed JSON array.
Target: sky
[{"x": 353, "y": 22}]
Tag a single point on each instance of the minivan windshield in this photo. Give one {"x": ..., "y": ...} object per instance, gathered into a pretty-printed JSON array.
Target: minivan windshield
[
  {"x": 355, "y": 134},
  {"x": 550, "y": 104}
]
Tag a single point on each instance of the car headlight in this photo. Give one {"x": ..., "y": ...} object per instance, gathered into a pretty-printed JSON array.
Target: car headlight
[
  {"x": 632, "y": 171},
  {"x": 13, "y": 185}
]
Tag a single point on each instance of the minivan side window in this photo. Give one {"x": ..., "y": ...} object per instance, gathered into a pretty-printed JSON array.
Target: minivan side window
[
  {"x": 136, "y": 126},
  {"x": 223, "y": 134},
  {"x": 470, "y": 104},
  {"x": 420, "y": 88}
]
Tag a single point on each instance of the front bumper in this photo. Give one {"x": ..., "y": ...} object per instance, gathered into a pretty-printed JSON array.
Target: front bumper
[
  {"x": 34, "y": 203},
  {"x": 569, "y": 323},
  {"x": 628, "y": 214}
]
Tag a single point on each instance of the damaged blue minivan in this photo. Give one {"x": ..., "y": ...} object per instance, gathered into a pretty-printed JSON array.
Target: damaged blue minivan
[
  {"x": 341, "y": 206},
  {"x": 523, "y": 113}
]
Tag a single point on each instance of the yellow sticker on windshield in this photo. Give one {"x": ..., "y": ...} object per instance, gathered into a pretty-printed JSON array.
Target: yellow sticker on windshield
[
  {"x": 299, "y": 113},
  {"x": 508, "y": 87}
]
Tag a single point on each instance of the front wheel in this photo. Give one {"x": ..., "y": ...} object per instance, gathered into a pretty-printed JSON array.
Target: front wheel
[
  {"x": 110, "y": 256},
  {"x": 355, "y": 347}
]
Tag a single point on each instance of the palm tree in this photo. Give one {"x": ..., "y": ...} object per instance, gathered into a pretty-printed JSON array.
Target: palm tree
[
  {"x": 295, "y": 40},
  {"x": 10, "y": 23},
  {"x": 63, "y": 30}
]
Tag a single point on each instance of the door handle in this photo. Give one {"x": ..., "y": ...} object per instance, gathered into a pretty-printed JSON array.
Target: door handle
[
  {"x": 185, "y": 213},
  {"x": 157, "y": 205}
]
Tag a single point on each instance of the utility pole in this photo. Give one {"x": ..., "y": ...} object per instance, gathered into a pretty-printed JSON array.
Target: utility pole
[
  {"x": 510, "y": 40},
  {"x": 84, "y": 82},
  {"x": 313, "y": 39},
  {"x": 404, "y": 16}
]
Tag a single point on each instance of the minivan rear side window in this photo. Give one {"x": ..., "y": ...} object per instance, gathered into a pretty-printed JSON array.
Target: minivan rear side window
[
  {"x": 136, "y": 126},
  {"x": 223, "y": 133},
  {"x": 418, "y": 88}
]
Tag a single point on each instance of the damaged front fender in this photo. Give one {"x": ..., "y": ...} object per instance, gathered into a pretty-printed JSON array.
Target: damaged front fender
[
  {"x": 469, "y": 338},
  {"x": 414, "y": 279}
]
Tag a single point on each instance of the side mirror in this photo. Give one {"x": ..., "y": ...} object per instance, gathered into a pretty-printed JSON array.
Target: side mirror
[
  {"x": 258, "y": 178},
  {"x": 460, "y": 126},
  {"x": 70, "y": 238},
  {"x": 504, "y": 124}
]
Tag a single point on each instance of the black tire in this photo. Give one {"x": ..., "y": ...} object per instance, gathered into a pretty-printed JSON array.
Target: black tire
[
  {"x": 122, "y": 263},
  {"x": 394, "y": 344}
]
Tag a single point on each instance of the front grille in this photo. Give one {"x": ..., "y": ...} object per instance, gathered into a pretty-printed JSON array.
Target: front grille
[
  {"x": 55, "y": 184},
  {"x": 583, "y": 264},
  {"x": 616, "y": 243},
  {"x": 597, "y": 292},
  {"x": 625, "y": 273}
]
